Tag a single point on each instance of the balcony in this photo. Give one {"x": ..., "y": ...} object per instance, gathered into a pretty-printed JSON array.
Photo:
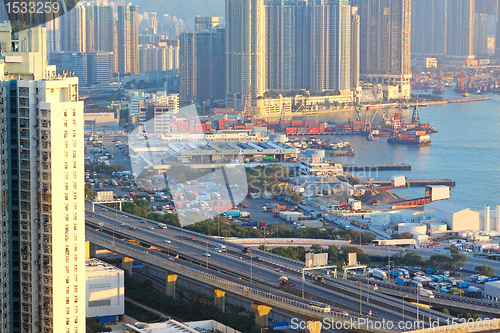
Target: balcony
[
  {"x": 47, "y": 240},
  {"x": 47, "y": 249},
  {"x": 47, "y": 313},
  {"x": 26, "y": 268},
  {"x": 47, "y": 229},
  {"x": 25, "y": 226},
  {"x": 47, "y": 281}
]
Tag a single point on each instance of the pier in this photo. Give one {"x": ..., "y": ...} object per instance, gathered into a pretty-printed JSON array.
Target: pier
[
  {"x": 415, "y": 182},
  {"x": 375, "y": 167}
]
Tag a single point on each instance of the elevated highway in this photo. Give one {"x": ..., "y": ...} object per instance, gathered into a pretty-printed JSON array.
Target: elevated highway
[{"x": 345, "y": 294}]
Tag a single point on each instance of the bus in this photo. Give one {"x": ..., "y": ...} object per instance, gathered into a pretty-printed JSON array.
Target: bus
[
  {"x": 324, "y": 307},
  {"x": 162, "y": 225}
]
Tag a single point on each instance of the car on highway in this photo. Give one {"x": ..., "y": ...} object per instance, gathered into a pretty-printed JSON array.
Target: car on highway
[
  {"x": 167, "y": 241},
  {"x": 150, "y": 227},
  {"x": 124, "y": 224},
  {"x": 91, "y": 215},
  {"x": 206, "y": 254},
  {"x": 143, "y": 221},
  {"x": 132, "y": 227},
  {"x": 171, "y": 259},
  {"x": 104, "y": 209},
  {"x": 345, "y": 313},
  {"x": 278, "y": 270},
  {"x": 124, "y": 215},
  {"x": 256, "y": 258},
  {"x": 191, "y": 238}
]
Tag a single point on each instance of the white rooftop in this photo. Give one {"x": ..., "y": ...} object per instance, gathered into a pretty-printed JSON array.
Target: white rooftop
[
  {"x": 95, "y": 266},
  {"x": 171, "y": 326},
  {"x": 446, "y": 206},
  {"x": 494, "y": 284}
]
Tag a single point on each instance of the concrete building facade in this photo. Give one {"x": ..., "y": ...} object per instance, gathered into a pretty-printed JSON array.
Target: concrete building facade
[
  {"x": 246, "y": 47},
  {"x": 460, "y": 29},
  {"x": 428, "y": 28},
  {"x": 46, "y": 232},
  {"x": 127, "y": 46},
  {"x": 457, "y": 217}
]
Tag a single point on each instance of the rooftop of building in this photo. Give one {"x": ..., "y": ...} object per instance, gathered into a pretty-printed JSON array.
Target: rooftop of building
[
  {"x": 173, "y": 326},
  {"x": 95, "y": 266},
  {"x": 446, "y": 206}
]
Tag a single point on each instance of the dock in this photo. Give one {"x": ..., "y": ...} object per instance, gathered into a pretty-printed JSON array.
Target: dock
[
  {"x": 375, "y": 167},
  {"x": 415, "y": 182}
]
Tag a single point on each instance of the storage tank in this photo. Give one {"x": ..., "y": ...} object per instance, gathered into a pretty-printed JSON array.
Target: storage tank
[
  {"x": 319, "y": 152},
  {"x": 412, "y": 228},
  {"x": 380, "y": 219},
  {"x": 438, "y": 227}
]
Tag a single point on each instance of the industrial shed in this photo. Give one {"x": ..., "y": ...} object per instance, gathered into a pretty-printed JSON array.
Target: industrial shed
[{"x": 457, "y": 217}]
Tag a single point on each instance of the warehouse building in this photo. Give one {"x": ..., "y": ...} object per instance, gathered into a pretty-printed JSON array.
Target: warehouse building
[
  {"x": 458, "y": 218},
  {"x": 492, "y": 290},
  {"x": 105, "y": 296}
]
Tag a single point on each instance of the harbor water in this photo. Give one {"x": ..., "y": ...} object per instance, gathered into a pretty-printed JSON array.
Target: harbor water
[{"x": 466, "y": 149}]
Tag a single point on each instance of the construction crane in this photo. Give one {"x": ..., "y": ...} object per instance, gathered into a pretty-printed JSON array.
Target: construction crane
[
  {"x": 247, "y": 111},
  {"x": 369, "y": 121},
  {"x": 357, "y": 112},
  {"x": 415, "y": 118}
]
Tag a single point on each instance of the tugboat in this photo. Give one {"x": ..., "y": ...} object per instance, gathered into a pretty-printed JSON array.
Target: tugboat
[
  {"x": 413, "y": 138},
  {"x": 371, "y": 137}
]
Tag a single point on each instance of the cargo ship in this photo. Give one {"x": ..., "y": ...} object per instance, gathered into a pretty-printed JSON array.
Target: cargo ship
[
  {"x": 413, "y": 138},
  {"x": 410, "y": 138}
]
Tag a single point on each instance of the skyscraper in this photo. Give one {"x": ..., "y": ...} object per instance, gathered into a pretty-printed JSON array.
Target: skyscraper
[
  {"x": 246, "y": 47},
  {"x": 202, "y": 65},
  {"x": 43, "y": 284},
  {"x": 481, "y": 34},
  {"x": 355, "y": 26},
  {"x": 127, "y": 39},
  {"x": 428, "y": 28},
  {"x": 308, "y": 44},
  {"x": 205, "y": 22},
  {"x": 75, "y": 29},
  {"x": 187, "y": 75},
  {"x": 385, "y": 34},
  {"x": 460, "y": 29}
]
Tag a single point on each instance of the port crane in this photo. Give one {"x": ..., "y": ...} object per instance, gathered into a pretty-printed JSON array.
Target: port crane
[
  {"x": 415, "y": 118},
  {"x": 368, "y": 121}
]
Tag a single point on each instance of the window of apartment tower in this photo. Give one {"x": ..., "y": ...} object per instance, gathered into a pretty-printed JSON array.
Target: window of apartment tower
[
  {"x": 65, "y": 113},
  {"x": 67, "y": 271},
  {"x": 65, "y": 123},
  {"x": 74, "y": 122},
  {"x": 66, "y": 217},
  {"x": 74, "y": 174},
  {"x": 76, "y": 289},
  {"x": 66, "y": 207},
  {"x": 66, "y": 186},
  {"x": 67, "y": 300},
  {"x": 74, "y": 153},
  {"x": 74, "y": 143},
  {"x": 67, "y": 330},
  {"x": 76, "y": 319},
  {"x": 74, "y": 164},
  {"x": 75, "y": 227},
  {"x": 67, "y": 310},
  {"x": 74, "y": 195},
  {"x": 67, "y": 281},
  {"x": 74, "y": 113},
  {"x": 74, "y": 185},
  {"x": 66, "y": 155},
  {"x": 66, "y": 175},
  {"x": 67, "y": 323},
  {"x": 66, "y": 165},
  {"x": 67, "y": 290},
  {"x": 66, "y": 144},
  {"x": 74, "y": 134},
  {"x": 66, "y": 196},
  {"x": 65, "y": 134},
  {"x": 76, "y": 298},
  {"x": 75, "y": 217}
]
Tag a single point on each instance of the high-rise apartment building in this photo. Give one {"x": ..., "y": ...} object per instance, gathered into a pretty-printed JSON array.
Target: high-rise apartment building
[
  {"x": 127, "y": 32},
  {"x": 246, "y": 47},
  {"x": 460, "y": 29},
  {"x": 355, "y": 26},
  {"x": 481, "y": 35},
  {"x": 188, "y": 70},
  {"x": 205, "y": 22},
  {"x": 202, "y": 65},
  {"x": 75, "y": 29},
  {"x": 100, "y": 67},
  {"x": 308, "y": 44},
  {"x": 428, "y": 28},
  {"x": 158, "y": 57},
  {"x": 385, "y": 34},
  {"x": 43, "y": 270}
]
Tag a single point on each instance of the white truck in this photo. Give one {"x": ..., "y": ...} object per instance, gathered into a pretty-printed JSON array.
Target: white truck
[
  {"x": 425, "y": 293},
  {"x": 380, "y": 274},
  {"x": 220, "y": 248}
]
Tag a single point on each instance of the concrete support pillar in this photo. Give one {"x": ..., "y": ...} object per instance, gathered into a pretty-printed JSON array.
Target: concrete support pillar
[
  {"x": 261, "y": 312},
  {"x": 487, "y": 218},
  {"x": 90, "y": 250},
  {"x": 313, "y": 326},
  {"x": 127, "y": 264},
  {"x": 220, "y": 299},
  {"x": 170, "y": 285}
]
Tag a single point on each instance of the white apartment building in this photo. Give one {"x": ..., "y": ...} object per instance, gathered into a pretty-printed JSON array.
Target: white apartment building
[{"x": 45, "y": 186}]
